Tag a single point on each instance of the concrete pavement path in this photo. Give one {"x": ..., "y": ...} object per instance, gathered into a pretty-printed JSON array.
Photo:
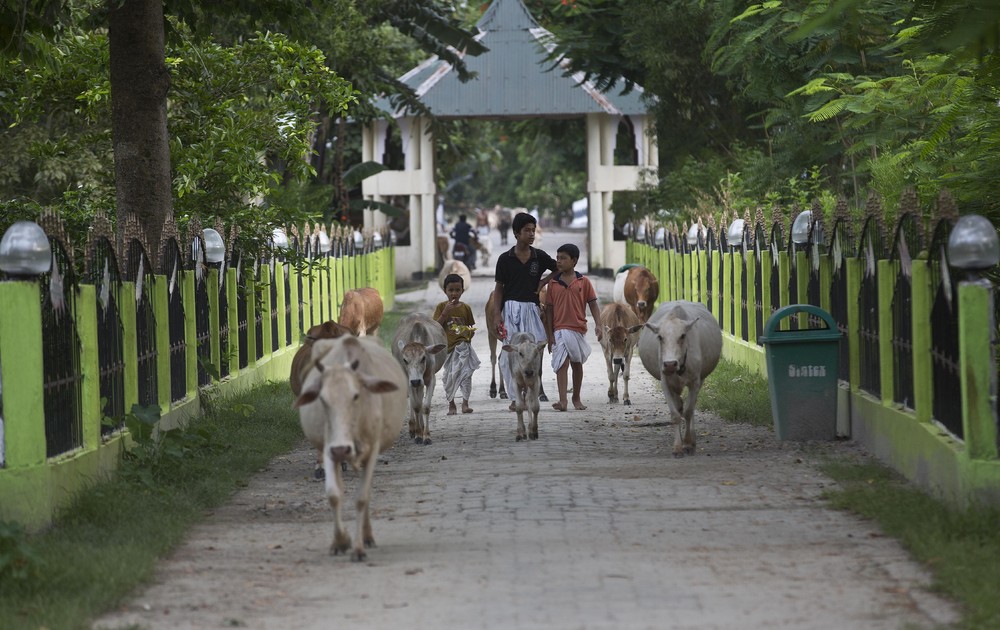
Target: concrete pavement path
[{"x": 594, "y": 525}]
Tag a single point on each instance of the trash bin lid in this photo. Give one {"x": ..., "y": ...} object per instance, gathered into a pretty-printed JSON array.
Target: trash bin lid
[{"x": 773, "y": 335}]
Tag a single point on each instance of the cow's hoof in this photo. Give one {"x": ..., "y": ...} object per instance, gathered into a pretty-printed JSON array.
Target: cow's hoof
[
  {"x": 343, "y": 466},
  {"x": 627, "y": 402},
  {"x": 340, "y": 547},
  {"x": 533, "y": 436},
  {"x": 678, "y": 454},
  {"x": 419, "y": 440},
  {"x": 689, "y": 450},
  {"x": 493, "y": 393},
  {"x": 543, "y": 398},
  {"x": 413, "y": 434},
  {"x": 318, "y": 474},
  {"x": 519, "y": 438},
  {"x": 503, "y": 395},
  {"x": 369, "y": 542},
  {"x": 427, "y": 441},
  {"x": 359, "y": 555}
]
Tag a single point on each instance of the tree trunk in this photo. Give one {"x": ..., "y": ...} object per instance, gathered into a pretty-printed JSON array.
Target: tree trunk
[{"x": 139, "y": 84}]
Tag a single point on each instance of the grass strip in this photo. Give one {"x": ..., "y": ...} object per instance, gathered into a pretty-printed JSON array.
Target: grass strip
[{"x": 110, "y": 538}]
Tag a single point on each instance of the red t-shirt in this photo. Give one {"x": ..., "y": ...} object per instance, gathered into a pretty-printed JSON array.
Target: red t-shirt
[{"x": 569, "y": 302}]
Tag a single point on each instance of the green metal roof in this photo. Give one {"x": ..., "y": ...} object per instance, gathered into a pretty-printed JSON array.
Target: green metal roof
[{"x": 513, "y": 80}]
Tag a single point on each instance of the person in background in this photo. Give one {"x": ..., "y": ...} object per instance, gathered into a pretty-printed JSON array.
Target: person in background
[
  {"x": 460, "y": 325},
  {"x": 463, "y": 249}
]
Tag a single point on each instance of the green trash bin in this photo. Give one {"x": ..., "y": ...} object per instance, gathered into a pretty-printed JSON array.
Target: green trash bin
[{"x": 802, "y": 369}]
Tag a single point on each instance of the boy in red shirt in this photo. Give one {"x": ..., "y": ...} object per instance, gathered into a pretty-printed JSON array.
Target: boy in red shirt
[{"x": 569, "y": 295}]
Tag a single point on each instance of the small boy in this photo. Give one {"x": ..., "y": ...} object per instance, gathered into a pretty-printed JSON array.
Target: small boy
[
  {"x": 459, "y": 324},
  {"x": 569, "y": 295}
]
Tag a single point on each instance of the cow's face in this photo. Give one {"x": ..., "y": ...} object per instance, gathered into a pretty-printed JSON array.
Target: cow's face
[
  {"x": 620, "y": 341},
  {"x": 417, "y": 360},
  {"x": 672, "y": 335},
  {"x": 344, "y": 393},
  {"x": 525, "y": 355},
  {"x": 646, "y": 290}
]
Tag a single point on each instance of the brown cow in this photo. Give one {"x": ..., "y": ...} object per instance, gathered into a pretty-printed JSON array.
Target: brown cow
[
  {"x": 621, "y": 334},
  {"x": 639, "y": 288},
  {"x": 361, "y": 311}
]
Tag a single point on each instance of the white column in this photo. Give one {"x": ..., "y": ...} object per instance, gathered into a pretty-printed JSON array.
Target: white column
[{"x": 595, "y": 249}]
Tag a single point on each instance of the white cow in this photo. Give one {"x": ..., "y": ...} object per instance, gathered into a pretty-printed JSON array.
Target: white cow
[
  {"x": 680, "y": 345},
  {"x": 621, "y": 334},
  {"x": 525, "y": 359},
  {"x": 419, "y": 346},
  {"x": 351, "y": 407}
]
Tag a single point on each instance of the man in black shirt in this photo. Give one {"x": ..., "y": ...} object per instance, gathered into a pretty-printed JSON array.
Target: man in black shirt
[{"x": 518, "y": 278}]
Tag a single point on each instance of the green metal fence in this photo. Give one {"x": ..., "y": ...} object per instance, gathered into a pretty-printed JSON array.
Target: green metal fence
[
  {"x": 918, "y": 362},
  {"x": 233, "y": 331}
]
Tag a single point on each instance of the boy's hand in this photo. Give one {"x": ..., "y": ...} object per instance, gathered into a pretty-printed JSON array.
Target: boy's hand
[
  {"x": 599, "y": 334},
  {"x": 501, "y": 330}
]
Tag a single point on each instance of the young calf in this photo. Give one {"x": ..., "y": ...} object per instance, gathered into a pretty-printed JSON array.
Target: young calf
[
  {"x": 525, "y": 357},
  {"x": 419, "y": 346},
  {"x": 621, "y": 333}
]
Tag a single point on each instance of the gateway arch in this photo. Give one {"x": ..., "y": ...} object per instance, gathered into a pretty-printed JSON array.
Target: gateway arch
[{"x": 512, "y": 82}]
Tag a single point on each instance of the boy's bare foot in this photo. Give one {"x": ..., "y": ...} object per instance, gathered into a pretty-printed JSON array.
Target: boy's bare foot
[
  {"x": 452, "y": 410},
  {"x": 579, "y": 405},
  {"x": 466, "y": 408},
  {"x": 558, "y": 406}
]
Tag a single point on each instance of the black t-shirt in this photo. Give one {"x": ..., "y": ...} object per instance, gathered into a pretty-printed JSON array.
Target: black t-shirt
[
  {"x": 461, "y": 232},
  {"x": 520, "y": 280}
]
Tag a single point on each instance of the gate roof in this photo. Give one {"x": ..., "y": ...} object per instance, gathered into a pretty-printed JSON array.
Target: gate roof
[{"x": 513, "y": 79}]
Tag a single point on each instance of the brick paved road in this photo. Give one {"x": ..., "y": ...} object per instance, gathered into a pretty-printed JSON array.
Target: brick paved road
[{"x": 595, "y": 525}]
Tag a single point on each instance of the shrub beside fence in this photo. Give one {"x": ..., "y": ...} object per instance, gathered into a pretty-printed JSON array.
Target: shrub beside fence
[
  {"x": 919, "y": 356},
  {"x": 78, "y": 351}
]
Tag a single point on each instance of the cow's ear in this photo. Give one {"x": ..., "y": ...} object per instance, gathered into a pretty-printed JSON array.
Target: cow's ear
[
  {"x": 507, "y": 347},
  {"x": 541, "y": 345},
  {"x": 378, "y": 385},
  {"x": 651, "y": 327},
  {"x": 436, "y": 348},
  {"x": 305, "y": 398},
  {"x": 688, "y": 325},
  {"x": 607, "y": 329},
  {"x": 400, "y": 344},
  {"x": 635, "y": 329}
]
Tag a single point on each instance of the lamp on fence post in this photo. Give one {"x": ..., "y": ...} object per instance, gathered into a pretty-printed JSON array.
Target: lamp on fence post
[
  {"x": 660, "y": 238},
  {"x": 215, "y": 248},
  {"x": 279, "y": 240},
  {"x": 800, "y": 230},
  {"x": 973, "y": 246},
  {"x": 25, "y": 251},
  {"x": 25, "y": 254},
  {"x": 377, "y": 240},
  {"x": 734, "y": 236},
  {"x": 694, "y": 237},
  {"x": 324, "y": 243},
  {"x": 359, "y": 242}
]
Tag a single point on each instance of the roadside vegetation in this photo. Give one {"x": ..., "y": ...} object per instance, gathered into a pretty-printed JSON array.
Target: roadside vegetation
[
  {"x": 109, "y": 540},
  {"x": 960, "y": 548}
]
